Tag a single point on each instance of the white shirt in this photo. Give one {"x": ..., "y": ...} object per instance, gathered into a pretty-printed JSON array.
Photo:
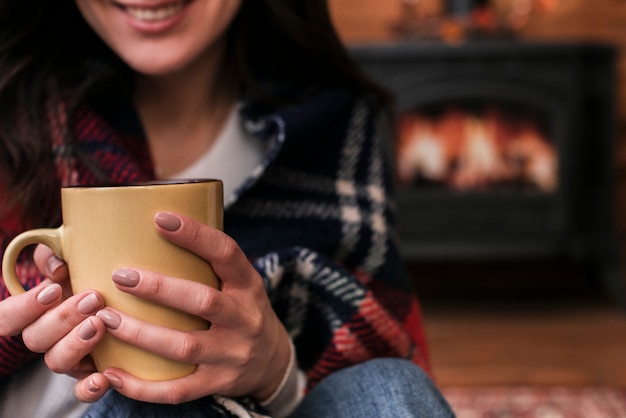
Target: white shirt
[{"x": 231, "y": 158}]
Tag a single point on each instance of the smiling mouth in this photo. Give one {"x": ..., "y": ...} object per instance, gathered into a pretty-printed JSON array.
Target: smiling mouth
[{"x": 154, "y": 14}]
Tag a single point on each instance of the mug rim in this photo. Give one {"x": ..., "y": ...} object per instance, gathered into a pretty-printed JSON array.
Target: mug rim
[{"x": 164, "y": 182}]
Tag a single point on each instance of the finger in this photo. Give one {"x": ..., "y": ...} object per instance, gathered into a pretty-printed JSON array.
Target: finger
[
  {"x": 173, "y": 392},
  {"x": 17, "y": 312},
  {"x": 85, "y": 367},
  {"x": 54, "y": 324},
  {"x": 177, "y": 345},
  {"x": 49, "y": 264},
  {"x": 192, "y": 297},
  {"x": 227, "y": 259},
  {"x": 91, "y": 388},
  {"x": 68, "y": 352}
]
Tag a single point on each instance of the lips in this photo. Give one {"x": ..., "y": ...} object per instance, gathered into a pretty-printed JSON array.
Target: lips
[{"x": 153, "y": 13}]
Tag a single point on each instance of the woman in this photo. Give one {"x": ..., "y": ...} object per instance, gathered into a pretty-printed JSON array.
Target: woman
[{"x": 262, "y": 95}]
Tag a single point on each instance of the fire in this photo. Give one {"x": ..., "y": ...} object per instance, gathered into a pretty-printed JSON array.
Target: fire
[{"x": 468, "y": 151}]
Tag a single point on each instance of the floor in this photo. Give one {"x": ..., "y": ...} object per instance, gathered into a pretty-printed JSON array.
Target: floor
[{"x": 561, "y": 332}]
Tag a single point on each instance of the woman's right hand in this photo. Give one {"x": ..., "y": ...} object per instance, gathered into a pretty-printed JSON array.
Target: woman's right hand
[{"x": 55, "y": 323}]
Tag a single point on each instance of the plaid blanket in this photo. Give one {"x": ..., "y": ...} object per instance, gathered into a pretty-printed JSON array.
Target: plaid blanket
[{"x": 315, "y": 219}]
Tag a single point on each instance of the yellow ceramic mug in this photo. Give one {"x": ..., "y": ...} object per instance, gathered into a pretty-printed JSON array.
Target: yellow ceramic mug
[{"x": 110, "y": 227}]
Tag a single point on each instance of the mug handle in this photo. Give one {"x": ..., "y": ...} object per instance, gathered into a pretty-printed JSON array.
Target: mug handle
[{"x": 47, "y": 236}]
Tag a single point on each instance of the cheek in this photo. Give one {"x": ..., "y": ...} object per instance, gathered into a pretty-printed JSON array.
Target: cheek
[
  {"x": 95, "y": 14},
  {"x": 88, "y": 9}
]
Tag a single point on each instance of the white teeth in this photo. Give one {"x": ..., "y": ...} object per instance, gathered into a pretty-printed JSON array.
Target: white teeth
[{"x": 154, "y": 15}]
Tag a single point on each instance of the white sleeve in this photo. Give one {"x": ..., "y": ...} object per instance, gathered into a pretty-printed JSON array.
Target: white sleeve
[{"x": 290, "y": 391}]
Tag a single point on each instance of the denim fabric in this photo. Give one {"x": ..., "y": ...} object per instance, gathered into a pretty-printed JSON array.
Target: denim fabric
[
  {"x": 379, "y": 388},
  {"x": 114, "y": 405}
]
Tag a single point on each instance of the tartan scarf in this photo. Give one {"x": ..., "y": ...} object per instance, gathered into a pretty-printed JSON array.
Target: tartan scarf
[{"x": 315, "y": 219}]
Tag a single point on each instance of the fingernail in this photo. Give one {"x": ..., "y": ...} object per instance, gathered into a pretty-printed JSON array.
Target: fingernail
[
  {"x": 168, "y": 221},
  {"x": 115, "y": 381},
  {"x": 49, "y": 294},
  {"x": 87, "y": 330},
  {"x": 110, "y": 319},
  {"x": 92, "y": 386},
  {"x": 89, "y": 304},
  {"x": 53, "y": 264},
  {"x": 126, "y": 277}
]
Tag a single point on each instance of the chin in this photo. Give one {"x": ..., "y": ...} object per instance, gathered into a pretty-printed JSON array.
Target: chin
[
  {"x": 155, "y": 71},
  {"x": 152, "y": 67}
]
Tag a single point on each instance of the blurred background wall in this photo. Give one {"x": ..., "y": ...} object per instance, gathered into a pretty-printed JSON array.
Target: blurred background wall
[
  {"x": 603, "y": 20},
  {"x": 372, "y": 21}
]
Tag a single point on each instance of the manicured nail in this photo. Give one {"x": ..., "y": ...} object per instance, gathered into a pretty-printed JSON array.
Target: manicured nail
[
  {"x": 115, "y": 381},
  {"x": 87, "y": 330},
  {"x": 92, "y": 386},
  {"x": 53, "y": 264},
  {"x": 126, "y": 277},
  {"x": 49, "y": 294},
  {"x": 89, "y": 305},
  {"x": 168, "y": 221},
  {"x": 110, "y": 319}
]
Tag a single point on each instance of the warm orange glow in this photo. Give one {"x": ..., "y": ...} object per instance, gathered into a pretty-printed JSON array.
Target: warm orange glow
[{"x": 466, "y": 151}]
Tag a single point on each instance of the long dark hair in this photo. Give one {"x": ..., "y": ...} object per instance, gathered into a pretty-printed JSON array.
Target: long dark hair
[{"x": 280, "y": 51}]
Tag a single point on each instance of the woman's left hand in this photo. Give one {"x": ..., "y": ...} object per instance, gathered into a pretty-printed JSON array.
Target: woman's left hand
[{"x": 244, "y": 352}]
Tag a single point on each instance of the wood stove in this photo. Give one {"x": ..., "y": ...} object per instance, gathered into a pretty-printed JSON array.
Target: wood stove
[{"x": 505, "y": 150}]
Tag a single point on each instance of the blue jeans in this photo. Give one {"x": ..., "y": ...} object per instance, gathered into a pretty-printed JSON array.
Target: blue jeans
[{"x": 380, "y": 388}]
